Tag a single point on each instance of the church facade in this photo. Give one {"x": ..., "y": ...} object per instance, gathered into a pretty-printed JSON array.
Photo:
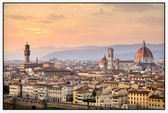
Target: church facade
[{"x": 144, "y": 60}]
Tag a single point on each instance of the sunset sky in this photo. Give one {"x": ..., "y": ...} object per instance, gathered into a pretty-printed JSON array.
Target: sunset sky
[{"x": 73, "y": 25}]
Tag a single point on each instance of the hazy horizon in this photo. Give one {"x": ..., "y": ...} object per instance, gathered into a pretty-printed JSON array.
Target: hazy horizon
[
  {"x": 82, "y": 46},
  {"x": 123, "y": 51}
]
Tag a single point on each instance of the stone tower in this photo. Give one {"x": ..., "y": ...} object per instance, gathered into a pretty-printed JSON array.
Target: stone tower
[
  {"x": 116, "y": 65},
  {"x": 27, "y": 53},
  {"x": 110, "y": 58}
]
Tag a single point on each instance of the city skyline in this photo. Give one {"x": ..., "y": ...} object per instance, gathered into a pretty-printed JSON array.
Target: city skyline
[
  {"x": 84, "y": 56},
  {"x": 83, "y": 25}
]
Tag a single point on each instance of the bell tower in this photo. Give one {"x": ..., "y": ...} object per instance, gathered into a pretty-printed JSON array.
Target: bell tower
[
  {"x": 27, "y": 53},
  {"x": 110, "y": 58}
]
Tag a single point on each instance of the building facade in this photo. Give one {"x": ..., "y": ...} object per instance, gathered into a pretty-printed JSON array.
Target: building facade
[
  {"x": 14, "y": 90},
  {"x": 156, "y": 102},
  {"x": 30, "y": 91},
  {"x": 81, "y": 95},
  {"x": 138, "y": 99},
  {"x": 60, "y": 93},
  {"x": 144, "y": 60}
]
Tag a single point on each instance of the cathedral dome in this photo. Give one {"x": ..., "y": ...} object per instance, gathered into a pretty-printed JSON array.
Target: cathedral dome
[
  {"x": 144, "y": 54},
  {"x": 103, "y": 62}
]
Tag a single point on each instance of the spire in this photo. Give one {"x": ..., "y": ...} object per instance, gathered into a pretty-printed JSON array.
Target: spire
[
  {"x": 143, "y": 43},
  {"x": 37, "y": 60}
]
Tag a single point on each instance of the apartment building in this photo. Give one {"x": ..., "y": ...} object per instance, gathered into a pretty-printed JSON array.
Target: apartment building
[
  {"x": 138, "y": 99},
  {"x": 14, "y": 89},
  {"x": 156, "y": 102}
]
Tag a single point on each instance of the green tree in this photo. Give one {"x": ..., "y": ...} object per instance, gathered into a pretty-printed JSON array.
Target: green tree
[{"x": 34, "y": 107}]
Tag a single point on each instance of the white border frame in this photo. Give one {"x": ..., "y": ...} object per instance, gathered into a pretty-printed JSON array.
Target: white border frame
[{"x": 82, "y": 111}]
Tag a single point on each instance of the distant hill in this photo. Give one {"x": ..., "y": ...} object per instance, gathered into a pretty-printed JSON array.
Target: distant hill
[
  {"x": 34, "y": 52},
  {"x": 39, "y": 52},
  {"x": 123, "y": 52}
]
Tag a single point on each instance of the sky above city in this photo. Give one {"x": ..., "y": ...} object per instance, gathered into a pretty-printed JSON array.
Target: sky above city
[{"x": 74, "y": 25}]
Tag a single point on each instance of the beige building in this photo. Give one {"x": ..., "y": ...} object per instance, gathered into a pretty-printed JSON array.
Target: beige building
[
  {"x": 35, "y": 91},
  {"x": 30, "y": 91},
  {"x": 48, "y": 64},
  {"x": 54, "y": 94},
  {"x": 60, "y": 93},
  {"x": 14, "y": 89},
  {"x": 82, "y": 94}
]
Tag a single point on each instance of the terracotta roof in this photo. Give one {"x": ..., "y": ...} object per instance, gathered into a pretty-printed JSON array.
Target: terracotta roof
[
  {"x": 118, "y": 96},
  {"x": 143, "y": 52},
  {"x": 110, "y": 82},
  {"x": 142, "y": 77},
  {"x": 139, "y": 92},
  {"x": 156, "y": 97},
  {"x": 103, "y": 61},
  {"x": 83, "y": 89},
  {"x": 33, "y": 65},
  {"x": 152, "y": 64},
  {"x": 127, "y": 61},
  {"x": 52, "y": 69}
]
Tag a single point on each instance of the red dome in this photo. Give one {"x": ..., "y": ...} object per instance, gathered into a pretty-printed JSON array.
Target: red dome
[
  {"x": 142, "y": 53},
  {"x": 103, "y": 61}
]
